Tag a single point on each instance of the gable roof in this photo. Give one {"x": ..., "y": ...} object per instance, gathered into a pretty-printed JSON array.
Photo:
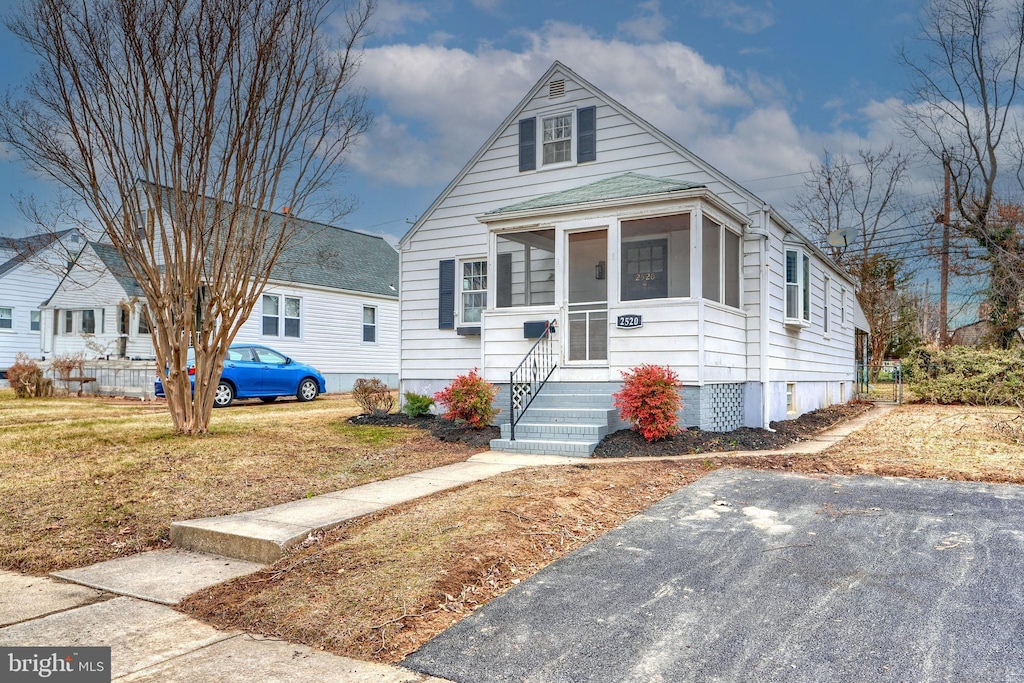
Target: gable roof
[
  {"x": 26, "y": 247},
  {"x": 113, "y": 262},
  {"x": 317, "y": 254},
  {"x": 617, "y": 187},
  {"x": 514, "y": 115}
]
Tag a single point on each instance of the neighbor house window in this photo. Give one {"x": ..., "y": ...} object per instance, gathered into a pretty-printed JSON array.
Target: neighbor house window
[
  {"x": 144, "y": 325},
  {"x": 369, "y": 324},
  {"x": 474, "y": 291},
  {"x": 6, "y": 318},
  {"x": 88, "y": 322},
  {"x": 34, "y": 318},
  {"x": 525, "y": 270},
  {"x": 282, "y": 314},
  {"x": 69, "y": 322},
  {"x": 556, "y": 139},
  {"x": 798, "y": 287},
  {"x": 655, "y": 256}
]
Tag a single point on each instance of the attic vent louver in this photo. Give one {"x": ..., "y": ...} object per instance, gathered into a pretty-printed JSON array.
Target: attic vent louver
[{"x": 556, "y": 89}]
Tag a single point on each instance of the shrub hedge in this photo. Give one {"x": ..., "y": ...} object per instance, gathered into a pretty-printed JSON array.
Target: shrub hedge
[{"x": 962, "y": 374}]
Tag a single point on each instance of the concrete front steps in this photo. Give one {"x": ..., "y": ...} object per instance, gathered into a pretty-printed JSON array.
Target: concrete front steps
[{"x": 567, "y": 419}]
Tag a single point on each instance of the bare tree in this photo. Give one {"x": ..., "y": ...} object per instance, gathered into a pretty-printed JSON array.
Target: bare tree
[
  {"x": 180, "y": 125},
  {"x": 964, "y": 87},
  {"x": 865, "y": 195}
]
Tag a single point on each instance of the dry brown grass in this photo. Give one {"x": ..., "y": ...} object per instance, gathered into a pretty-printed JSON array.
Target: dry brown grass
[
  {"x": 87, "y": 479},
  {"x": 381, "y": 586}
]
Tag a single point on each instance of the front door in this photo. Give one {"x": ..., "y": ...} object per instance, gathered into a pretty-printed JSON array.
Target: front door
[{"x": 587, "y": 314}]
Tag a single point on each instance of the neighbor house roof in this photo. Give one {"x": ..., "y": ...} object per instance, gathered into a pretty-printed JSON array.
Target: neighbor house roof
[
  {"x": 616, "y": 187},
  {"x": 25, "y": 247},
  {"x": 113, "y": 262},
  {"x": 323, "y": 255}
]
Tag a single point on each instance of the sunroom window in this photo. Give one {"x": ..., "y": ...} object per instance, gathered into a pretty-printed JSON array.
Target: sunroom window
[
  {"x": 720, "y": 267},
  {"x": 798, "y": 287},
  {"x": 525, "y": 269},
  {"x": 655, "y": 258}
]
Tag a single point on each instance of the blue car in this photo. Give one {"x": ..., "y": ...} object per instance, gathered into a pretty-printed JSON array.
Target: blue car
[{"x": 252, "y": 371}]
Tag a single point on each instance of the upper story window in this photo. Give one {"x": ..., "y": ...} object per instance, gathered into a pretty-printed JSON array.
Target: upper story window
[
  {"x": 564, "y": 137},
  {"x": 798, "y": 287},
  {"x": 557, "y": 140}
]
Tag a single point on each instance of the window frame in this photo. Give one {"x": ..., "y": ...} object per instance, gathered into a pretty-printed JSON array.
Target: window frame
[
  {"x": 371, "y": 326},
  {"x": 142, "y": 321},
  {"x": 723, "y": 271},
  {"x": 573, "y": 135},
  {"x": 804, "y": 274},
  {"x": 9, "y": 318},
  {"x": 38, "y": 322},
  {"x": 826, "y": 311},
  {"x": 461, "y": 291},
  {"x": 281, "y": 318},
  {"x": 790, "y": 398}
]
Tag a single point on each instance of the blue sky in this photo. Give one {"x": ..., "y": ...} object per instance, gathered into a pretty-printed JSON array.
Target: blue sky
[{"x": 756, "y": 87}]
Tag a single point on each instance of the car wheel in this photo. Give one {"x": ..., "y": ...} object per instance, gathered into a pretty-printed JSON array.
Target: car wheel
[
  {"x": 268, "y": 399},
  {"x": 224, "y": 395},
  {"x": 308, "y": 390}
]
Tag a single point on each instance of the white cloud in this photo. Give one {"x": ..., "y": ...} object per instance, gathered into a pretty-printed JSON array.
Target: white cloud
[
  {"x": 745, "y": 18},
  {"x": 443, "y": 102},
  {"x": 392, "y": 16},
  {"x": 649, "y": 25}
]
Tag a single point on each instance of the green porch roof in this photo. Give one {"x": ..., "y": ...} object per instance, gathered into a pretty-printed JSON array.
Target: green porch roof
[{"x": 617, "y": 187}]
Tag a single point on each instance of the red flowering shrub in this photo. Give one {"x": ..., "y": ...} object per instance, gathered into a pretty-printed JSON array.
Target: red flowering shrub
[
  {"x": 469, "y": 397},
  {"x": 650, "y": 399}
]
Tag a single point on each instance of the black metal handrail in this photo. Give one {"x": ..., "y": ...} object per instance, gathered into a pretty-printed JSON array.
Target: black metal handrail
[{"x": 530, "y": 376}]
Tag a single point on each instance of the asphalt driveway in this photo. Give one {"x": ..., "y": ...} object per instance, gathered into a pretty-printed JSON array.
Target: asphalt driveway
[{"x": 753, "y": 576}]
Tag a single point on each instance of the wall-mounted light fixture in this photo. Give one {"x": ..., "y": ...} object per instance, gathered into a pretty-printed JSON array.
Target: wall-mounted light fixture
[{"x": 599, "y": 271}]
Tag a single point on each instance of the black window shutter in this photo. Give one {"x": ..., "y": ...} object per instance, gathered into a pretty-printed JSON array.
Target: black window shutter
[
  {"x": 504, "y": 283},
  {"x": 586, "y": 144},
  {"x": 528, "y": 144},
  {"x": 446, "y": 295}
]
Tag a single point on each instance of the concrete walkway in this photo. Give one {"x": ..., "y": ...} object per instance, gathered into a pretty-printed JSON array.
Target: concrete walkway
[{"x": 153, "y": 642}]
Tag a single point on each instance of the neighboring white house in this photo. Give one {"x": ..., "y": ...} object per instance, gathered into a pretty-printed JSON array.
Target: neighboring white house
[
  {"x": 332, "y": 302},
  {"x": 30, "y": 268},
  {"x": 579, "y": 212}
]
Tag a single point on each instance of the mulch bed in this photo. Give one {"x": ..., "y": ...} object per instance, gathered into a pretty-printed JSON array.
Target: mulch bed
[
  {"x": 449, "y": 431},
  {"x": 627, "y": 443}
]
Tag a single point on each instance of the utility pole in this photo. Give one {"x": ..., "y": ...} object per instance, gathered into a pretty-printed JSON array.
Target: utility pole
[{"x": 944, "y": 274}]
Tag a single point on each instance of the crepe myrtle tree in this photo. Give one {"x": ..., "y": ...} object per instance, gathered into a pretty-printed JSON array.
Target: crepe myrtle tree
[{"x": 180, "y": 125}]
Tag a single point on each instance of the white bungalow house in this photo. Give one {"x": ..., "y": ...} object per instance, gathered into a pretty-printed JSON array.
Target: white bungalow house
[
  {"x": 30, "y": 268},
  {"x": 332, "y": 302},
  {"x": 579, "y": 214}
]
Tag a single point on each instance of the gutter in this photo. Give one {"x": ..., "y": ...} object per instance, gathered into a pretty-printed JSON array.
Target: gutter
[{"x": 765, "y": 316}]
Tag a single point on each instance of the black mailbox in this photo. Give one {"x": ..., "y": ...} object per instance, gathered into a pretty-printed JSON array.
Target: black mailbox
[{"x": 534, "y": 329}]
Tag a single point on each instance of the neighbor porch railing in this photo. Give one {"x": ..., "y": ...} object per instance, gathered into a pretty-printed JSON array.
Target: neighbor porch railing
[{"x": 526, "y": 381}]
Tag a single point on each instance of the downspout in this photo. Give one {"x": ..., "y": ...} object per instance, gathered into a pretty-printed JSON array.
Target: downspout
[{"x": 765, "y": 314}]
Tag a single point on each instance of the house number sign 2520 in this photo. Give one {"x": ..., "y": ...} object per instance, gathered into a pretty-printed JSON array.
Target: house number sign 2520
[{"x": 629, "y": 321}]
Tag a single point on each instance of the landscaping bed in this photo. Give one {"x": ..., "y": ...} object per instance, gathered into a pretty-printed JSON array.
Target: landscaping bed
[
  {"x": 627, "y": 443},
  {"x": 448, "y": 431}
]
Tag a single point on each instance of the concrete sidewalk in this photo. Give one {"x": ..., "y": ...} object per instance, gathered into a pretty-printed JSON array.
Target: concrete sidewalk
[{"x": 152, "y": 642}]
